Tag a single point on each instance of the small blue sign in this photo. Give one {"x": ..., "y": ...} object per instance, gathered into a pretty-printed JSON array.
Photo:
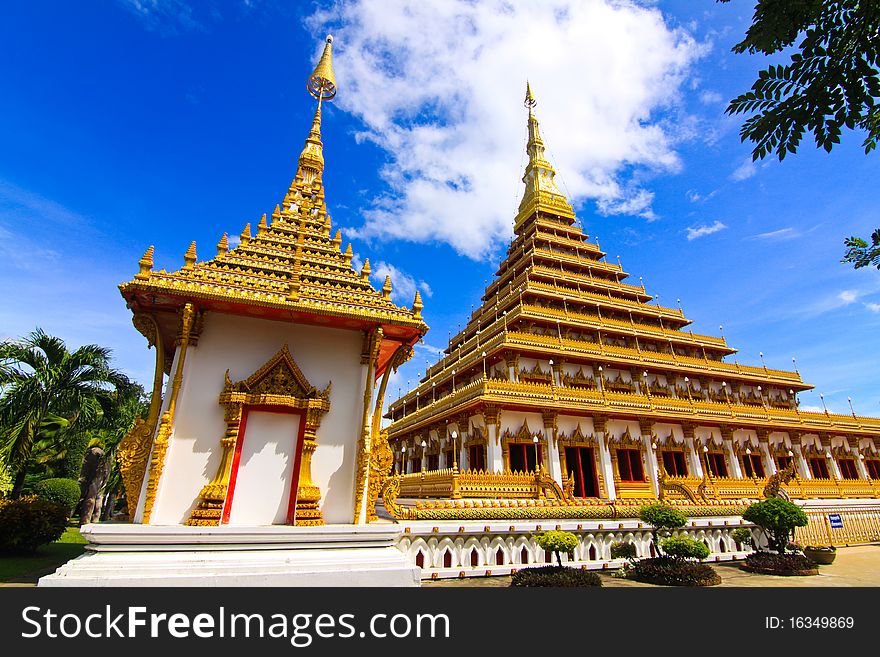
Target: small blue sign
[{"x": 835, "y": 520}]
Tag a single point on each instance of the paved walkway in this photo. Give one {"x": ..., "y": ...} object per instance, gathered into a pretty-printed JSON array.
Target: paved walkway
[{"x": 854, "y": 566}]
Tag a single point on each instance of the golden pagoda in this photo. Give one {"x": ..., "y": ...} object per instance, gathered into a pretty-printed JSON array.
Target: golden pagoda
[
  {"x": 285, "y": 315},
  {"x": 569, "y": 394}
]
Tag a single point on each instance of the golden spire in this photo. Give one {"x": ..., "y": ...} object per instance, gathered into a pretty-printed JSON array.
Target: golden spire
[
  {"x": 223, "y": 245},
  {"x": 365, "y": 270},
  {"x": 386, "y": 288},
  {"x": 145, "y": 264},
  {"x": 189, "y": 257},
  {"x": 245, "y": 234},
  {"x": 417, "y": 306},
  {"x": 321, "y": 85},
  {"x": 541, "y": 192},
  {"x": 262, "y": 227}
]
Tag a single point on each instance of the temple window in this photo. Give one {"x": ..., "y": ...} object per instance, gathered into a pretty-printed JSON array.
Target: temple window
[
  {"x": 524, "y": 555},
  {"x": 782, "y": 462},
  {"x": 752, "y": 465},
  {"x": 629, "y": 465},
  {"x": 433, "y": 461},
  {"x": 521, "y": 457},
  {"x": 499, "y": 557},
  {"x": 476, "y": 457},
  {"x": 447, "y": 559},
  {"x": 873, "y": 467},
  {"x": 450, "y": 457},
  {"x": 819, "y": 468},
  {"x": 475, "y": 559},
  {"x": 416, "y": 465},
  {"x": 848, "y": 468},
  {"x": 717, "y": 464},
  {"x": 674, "y": 463}
]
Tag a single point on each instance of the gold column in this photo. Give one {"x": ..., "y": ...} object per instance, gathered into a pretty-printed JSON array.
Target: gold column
[
  {"x": 213, "y": 495},
  {"x": 160, "y": 445},
  {"x": 369, "y": 354},
  {"x": 308, "y": 495}
]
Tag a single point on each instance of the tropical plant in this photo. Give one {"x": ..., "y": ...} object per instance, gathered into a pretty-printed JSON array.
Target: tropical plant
[
  {"x": 743, "y": 536},
  {"x": 621, "y": 550},
  {"x": 29, "y": 522},
  {"x": 662, "y": 517},
  {"x": 64, "y": 492},
  {"x": 777, "y": 518},
  {"x": 680, "y": 547},
  {"x": 558, "y": 542},
  {"x": 39, "y": 379},
  {"x": 5, "y": 481}
]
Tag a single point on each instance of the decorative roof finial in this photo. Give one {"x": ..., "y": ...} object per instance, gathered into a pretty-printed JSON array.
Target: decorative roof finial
[
  {"x": 417, "y": 306},
  {"x": 246, "y": 234},
  {"x": 262, "y": 227},
  {"x": 322, "y": 83},
  {"x": 223, "y": 245},
  {"x": 386, "y": 288},
  {"x": 365, "y": 270},
  {"x": 189, "y": 258},
  {"x": 348, "y": 253},
  {"x": 530, "y": 101},
  {"x": 145, "y": 264}
]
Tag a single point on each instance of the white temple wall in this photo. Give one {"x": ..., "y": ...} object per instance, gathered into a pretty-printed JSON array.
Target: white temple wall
[
  {"x": 568, "y": 423},
  {"x": 243, "y": 345},
  {"x": 512, "y": 421}
]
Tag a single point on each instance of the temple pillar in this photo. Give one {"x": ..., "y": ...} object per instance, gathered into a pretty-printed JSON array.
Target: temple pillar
[
  {"x": 557, "y": 372},
  {"x": 494, "y": 455},
  {"x": 553, "y": 465},
  {"x": 695, "y": 465},
  {"x": 825, "y": 442},
  {"x": 647, "y": 431},
  {"x": 600, "y": 425},
  {"x": 801, "y": 466},
  {"x": 511, "y": 360},
  {"x": 860, "y": 463},
  {"x": 442, "y": 438},
  {"x": 732, "y": 462},
  {"x": 764, "y": 446}
]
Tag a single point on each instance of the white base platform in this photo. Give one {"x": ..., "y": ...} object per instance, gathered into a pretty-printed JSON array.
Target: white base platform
[{"x": 148, "y": 555}]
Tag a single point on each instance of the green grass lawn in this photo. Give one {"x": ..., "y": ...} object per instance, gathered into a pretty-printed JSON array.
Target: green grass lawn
[{"x": 28, "y": 569}]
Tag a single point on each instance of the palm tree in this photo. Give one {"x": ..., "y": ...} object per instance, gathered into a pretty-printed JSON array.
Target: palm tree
[{"x": 40, "y": 378}]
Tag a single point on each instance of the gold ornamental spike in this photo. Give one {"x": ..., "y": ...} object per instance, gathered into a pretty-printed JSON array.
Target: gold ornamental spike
[
  {"x": 387, "y": 289},
  {"x": 417, "y": 306},
  {"x": 261, "y": 227},
  {"x": 365, "y": 270},
  {"x": 530, "y": 101},
  {"x": 348, "y": 253},
  {"x": 145, "y": 264},
  {"x": 322, "y": 83},
  {"x": 246, "y": 234},
  {"x": 190, "y": 256},
  {"x": 223, "y": 245}
]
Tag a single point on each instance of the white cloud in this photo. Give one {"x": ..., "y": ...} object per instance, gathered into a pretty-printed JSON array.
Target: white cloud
[
  {"x": 873, "y": 307},
  {"x": 848, "y": 296},
  {"x": 744, "y": 171},
  {"x": 778, "y": 235},
  {"x": 695, "y": 232},
  {"x": 710, "y": 97},
  {"x": 403, "y": 285},
  {"x": 440, "y": 86}
]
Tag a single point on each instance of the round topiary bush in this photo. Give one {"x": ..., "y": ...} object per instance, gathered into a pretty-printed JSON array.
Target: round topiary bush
[
  {"x": 29, "y": 522},
  {"x": 557, "y": 542},
  {"x": 777, "y": 518},
  {"x": 679, "y": 547},
  {"x": 743, "y": 536},
  {"x": 555, "y": 576},
  {"x": 662, "y": 516},
  {"x": 64, "y": 492},
  {"x": 667, "y": 571}
]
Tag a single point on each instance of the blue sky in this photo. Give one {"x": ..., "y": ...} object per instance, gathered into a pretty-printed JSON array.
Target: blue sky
[{"x": 138, "y": 122}]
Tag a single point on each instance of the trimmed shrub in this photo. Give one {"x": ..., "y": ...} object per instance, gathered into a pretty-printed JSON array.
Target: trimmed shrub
[
  {"x": 557, "y": 542},
  {"x": 793, "y": 563},
  {"x": 623, "y": 551},
  {"x": 63, "y": 492},
  {"x": 679, "y": 547},
  {"x": 28, "y": 523},
  {"x": 743, "y": 536},
  {"x": 6, "y": 482},
  {"x": 673, "y": 572},
  {"x": 555, "y": 576},
  {"x": 777, "y": 518},
  {"x": 662, "y": 516}
]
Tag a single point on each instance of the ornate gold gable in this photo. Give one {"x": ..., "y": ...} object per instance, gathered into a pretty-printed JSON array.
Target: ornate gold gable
[{"x": 279, "y": 383}]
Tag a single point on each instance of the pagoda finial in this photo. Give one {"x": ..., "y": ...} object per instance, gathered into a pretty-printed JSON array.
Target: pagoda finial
[
  {"x": 223, "y": 245},
  {"x": 246, "y": 234},
  {"x": 417, "y": 306},
  {"x": 386, "y": 288},
  {"x": 189, "y": 257},
  {"x": 365, "y": 270},
  {"x": 348, "y": 253},
  {"x": 146, "y": 265},
  {"x": 541, "y": 193},
  {"x": 262, "y": 227},
  {"x": 322, "y": 83},
  {"x": 337, "y": 239}
]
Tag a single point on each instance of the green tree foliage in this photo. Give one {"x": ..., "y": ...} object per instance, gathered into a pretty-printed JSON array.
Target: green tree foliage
[
  {"x": 777, "y": 518},
  {"x": 830, "y": 82},
  {"x": 5, "y": 481},
  {"x": 743, "y": 536},
  {"x": 622, "y": 550},
  {"x": 682, "y": 548},
  {"x": 28, "y": 523},
  {"x": 558, "y": 542},
  {"x": 40, "y": 378},
  {"x": 63, "y": 492},
  {"x": 662, "y": 518}
]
